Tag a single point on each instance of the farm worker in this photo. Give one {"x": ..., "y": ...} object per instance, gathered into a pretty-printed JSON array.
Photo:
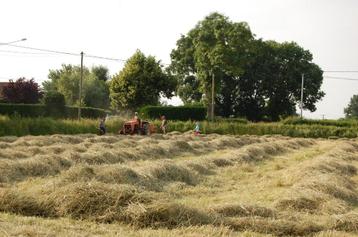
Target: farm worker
[
  {"x": 102, "y": 126},
  {"x": 197, "y": 128},
  {"x": 164, "y": 123},
  {"x": 137, "y": 119}
]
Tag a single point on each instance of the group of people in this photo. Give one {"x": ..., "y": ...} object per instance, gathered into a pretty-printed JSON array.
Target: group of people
[{"x": 163, "y": 125}]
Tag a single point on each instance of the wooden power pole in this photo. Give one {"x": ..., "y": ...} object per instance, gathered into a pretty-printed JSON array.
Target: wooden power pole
[{"x": 80, "y": 92}]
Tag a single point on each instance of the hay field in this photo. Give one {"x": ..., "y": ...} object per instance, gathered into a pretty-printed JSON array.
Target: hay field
[{"x": 178, "y": 185}]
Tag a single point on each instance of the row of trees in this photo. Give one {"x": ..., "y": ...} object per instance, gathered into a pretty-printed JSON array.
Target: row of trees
[
  {"x": 142, "y": 81},
  {"x": 254, "y": 78}
]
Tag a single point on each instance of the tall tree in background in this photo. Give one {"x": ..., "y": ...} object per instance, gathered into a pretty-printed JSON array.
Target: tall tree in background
[
  {"x": 254, "y": 79},
  {"x": 351, "y": 111},
  {"x": 216, "y": 46},
  {"x": 283, "y": 87},
  {"x": 100, "y": 72},
  {"x": 22, "y": 91},
  {"x": 140, "y": 82},
  {"x": 189, "y": 89},
  {"x": 66, "y": 81}
]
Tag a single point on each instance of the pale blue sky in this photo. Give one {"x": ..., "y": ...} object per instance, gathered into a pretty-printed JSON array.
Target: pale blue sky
[{"x": 116, "y": 28}]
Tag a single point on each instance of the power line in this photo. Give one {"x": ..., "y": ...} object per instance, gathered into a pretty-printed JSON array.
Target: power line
[
  {"x": 68, "y": 53},
  {"x": 105, "y": 58},
  {"x": 45, "y": 50},
  {"x": 73, "y": 54},
  {"x": 342, "y": 71},
  {"x": 342, "y": 78},
  {"x": 23, "y": 52}
]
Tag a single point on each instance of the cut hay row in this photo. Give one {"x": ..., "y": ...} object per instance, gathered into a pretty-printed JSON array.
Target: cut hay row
[
  {"x": 52, "y": 159},
  {"x": 111, "y": 179},
  {"x": 327, "y": 179},
  {"x": 92, "y": 191}
]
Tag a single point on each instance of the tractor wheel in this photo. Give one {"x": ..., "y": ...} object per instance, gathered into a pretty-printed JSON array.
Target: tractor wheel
[{"x": 145, "y": 129}]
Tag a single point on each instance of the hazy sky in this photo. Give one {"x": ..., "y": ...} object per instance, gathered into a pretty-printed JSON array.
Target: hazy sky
[{"x": 116, "y": 28}]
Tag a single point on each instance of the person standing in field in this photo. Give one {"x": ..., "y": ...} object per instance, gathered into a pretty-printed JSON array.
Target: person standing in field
[
  {"x": 163, "y": 125},
  {"x": 102, "y": 126},
  {"x": 197, "y": 128},
  {"x": 137, "y": 119}
]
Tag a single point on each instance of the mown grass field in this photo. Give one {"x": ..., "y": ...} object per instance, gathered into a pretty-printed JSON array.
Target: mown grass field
[{"x": 178, "y": 185}]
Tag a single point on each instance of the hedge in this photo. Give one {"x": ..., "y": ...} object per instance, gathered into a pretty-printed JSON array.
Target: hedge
[
  {"x": 182, "y": 113},
  {"x": 323, "y": 122},
  {"x": 18, "y": 126},
  {"x": 22, "y": 126},
  {"x": 40, "y": 110}
]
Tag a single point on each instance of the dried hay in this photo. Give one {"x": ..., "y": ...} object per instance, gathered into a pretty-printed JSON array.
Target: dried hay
[
  {"x": 203, "y": 169},
  {"x": 230, "y": 210},
  {"x": 222, "y": 162},
  {"x": 276, "y": 227},
  {"x": 16, "y": 202},
  {"x": 117, "y": 174},
  {"x": 168, "y": 215},
  {"x": 336, "y": 186},
  {"x": 166, "y": 171},
  {"x": 301, "y": 204},
  {"x": 93, "y": 201},
  {"x": 96, "y": 158},
  {"x": 79, "y": 173},
  {"x": 346, "y": 222}
]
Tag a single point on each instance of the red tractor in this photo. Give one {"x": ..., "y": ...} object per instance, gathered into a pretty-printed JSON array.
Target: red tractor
[{"x": 136, "y": 126}]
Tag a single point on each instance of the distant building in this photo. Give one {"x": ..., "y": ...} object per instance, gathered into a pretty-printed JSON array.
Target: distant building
[{"x": 2, "y": 85}]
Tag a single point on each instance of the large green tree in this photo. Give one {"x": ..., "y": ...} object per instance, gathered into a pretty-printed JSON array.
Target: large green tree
[
  {"x": 254, "y": 78},
  {"x": 352, "y": 109},
  {"x": 95, "y": 89},
  {"x": 215, "y": 47},
  {"x": 141, "y": 82}
]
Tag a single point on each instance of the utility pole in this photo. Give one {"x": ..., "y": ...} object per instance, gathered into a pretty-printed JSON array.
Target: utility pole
[
  {"x": 303, "y": 79},
  {"x": 212, "y": 95},
  {"x": 80, "y": 96}
]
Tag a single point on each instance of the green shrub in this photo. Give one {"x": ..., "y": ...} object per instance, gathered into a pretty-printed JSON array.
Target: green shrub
[
  {"x": 86, "y": 112},
  {"x": 54, "y": 98},
  {"x": 24, "y": 110},
  {"x": 17, "y": 126},
  {"x": 323, "y": 122},
  {"x": 49, "y": 110},
  {"x": 55, "y": 104},
  {"x": 182, "y": 113}
]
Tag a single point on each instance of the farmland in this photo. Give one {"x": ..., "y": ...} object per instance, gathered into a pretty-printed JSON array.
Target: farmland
[{"x": 178, "y": 185}]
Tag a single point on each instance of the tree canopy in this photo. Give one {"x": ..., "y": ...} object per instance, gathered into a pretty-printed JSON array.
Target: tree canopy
[
  {"x": 22, "y": 91},
  {"x": 141, "y": 82},
  {"x": 352, "y": 108},
  {"x": 95, "y": 90},
  {"x": 253, "y": 78}
]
